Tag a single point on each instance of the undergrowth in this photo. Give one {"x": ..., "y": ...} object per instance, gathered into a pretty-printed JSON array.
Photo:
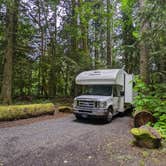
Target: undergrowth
[{"x": 152, "y": 97}]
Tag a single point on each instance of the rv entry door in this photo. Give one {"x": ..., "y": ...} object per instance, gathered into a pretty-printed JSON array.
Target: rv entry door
[{"x": 116, "y": 98}]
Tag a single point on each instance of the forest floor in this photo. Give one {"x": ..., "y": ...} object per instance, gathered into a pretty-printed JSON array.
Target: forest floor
[{"x": 64, "y": 141}]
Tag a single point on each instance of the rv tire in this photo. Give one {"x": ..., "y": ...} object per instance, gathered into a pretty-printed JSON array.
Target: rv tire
[
  {"x": 109, "y": 115},
  {"x": 78, "y": 117}
]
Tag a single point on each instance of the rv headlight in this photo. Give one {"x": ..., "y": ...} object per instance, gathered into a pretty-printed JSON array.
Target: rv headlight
[
  {"x": 101, "y": 104},
  {"x": 75, "y": 103}
]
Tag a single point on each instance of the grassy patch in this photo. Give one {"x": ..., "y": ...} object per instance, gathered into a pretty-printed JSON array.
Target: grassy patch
[{"x": 14, "y": 112}]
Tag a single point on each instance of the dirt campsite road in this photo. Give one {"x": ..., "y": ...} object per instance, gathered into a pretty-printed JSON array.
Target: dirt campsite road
[{"x": 68, "y": 142}]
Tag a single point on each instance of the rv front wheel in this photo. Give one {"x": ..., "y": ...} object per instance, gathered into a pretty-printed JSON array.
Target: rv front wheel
[
  {"x": 109, "y": 115},
  {"x": 78, "y": 117}
]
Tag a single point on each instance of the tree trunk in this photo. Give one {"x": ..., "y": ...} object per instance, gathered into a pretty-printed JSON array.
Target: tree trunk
[
  {"x": 85, "y": 39},
  {"x": 96, "y": 49},
  {"x": 143, "y": 47},
  {"x": 97, "y": 28},
  {"x": 84, "y": 30},
  {"x": 74, "y": 42},
  {"x": 12, "y": 15},
  {"x": 109, "y": 40},
  {"x": 53, "y": 57},
  {"x": 142, "y": 118}
]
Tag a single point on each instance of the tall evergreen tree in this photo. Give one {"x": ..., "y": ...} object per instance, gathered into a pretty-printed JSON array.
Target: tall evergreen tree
[{"x": 11, "y": 31}]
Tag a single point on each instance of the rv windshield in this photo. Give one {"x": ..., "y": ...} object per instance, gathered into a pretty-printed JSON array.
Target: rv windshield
[{"x": 102, "y": 90}]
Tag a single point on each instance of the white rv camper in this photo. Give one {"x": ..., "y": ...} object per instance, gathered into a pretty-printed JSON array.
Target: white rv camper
[{"x": 105, "y": 93}]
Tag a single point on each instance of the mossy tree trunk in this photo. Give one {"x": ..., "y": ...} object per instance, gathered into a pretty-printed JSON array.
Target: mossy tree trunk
[{"x": 12, "y": 17}]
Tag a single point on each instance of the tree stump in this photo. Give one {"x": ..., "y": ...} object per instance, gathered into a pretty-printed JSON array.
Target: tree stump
[{"x": 143, "y": 117}]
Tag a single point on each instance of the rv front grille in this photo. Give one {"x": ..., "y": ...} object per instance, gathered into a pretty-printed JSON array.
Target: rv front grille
[{"x": 86, "y": 104}]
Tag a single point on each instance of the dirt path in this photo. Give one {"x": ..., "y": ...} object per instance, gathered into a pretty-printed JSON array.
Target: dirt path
[{"x": 66, "y": 141}]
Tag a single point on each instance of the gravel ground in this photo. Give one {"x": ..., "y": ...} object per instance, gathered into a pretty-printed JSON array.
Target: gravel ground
[
  {"x": 22, "y": 122},
  {"x": 67, "y": 142}
]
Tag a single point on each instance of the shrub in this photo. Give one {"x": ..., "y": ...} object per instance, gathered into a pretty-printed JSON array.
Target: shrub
[
  {"x": 161, "y": 125},
  {"x": 14, "y": 112},
  {"x": 152, "y": 98}
]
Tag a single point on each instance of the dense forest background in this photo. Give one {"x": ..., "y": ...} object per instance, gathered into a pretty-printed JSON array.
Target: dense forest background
[{"x": 45, "y": 44}]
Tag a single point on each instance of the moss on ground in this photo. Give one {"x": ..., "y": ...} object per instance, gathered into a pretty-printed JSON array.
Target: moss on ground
[
  {"x": 65, "y": 109},
  {"x": 141, "y": 133}
]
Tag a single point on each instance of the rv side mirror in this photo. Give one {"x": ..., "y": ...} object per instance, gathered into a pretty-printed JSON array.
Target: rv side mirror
[{"x": 121, "y": 93}]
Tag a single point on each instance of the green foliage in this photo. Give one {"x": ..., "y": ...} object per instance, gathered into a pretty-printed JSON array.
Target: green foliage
[
  {"x": 155, "y": 36},
  {"x": 14, "y": 112},
  {"x": 161, "y": 125},
  {"x": 79, "y": 42},
  {"x": 152, "y": 98},
  {"x": 129, "y": 35},
  {"x": 127, "y": 5}
]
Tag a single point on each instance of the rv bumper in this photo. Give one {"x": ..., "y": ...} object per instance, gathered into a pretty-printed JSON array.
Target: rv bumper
[{"x": 98, "y": 113}]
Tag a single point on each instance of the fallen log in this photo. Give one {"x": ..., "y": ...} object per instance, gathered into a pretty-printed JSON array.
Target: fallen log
[{"x": 15, "y": 112}]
